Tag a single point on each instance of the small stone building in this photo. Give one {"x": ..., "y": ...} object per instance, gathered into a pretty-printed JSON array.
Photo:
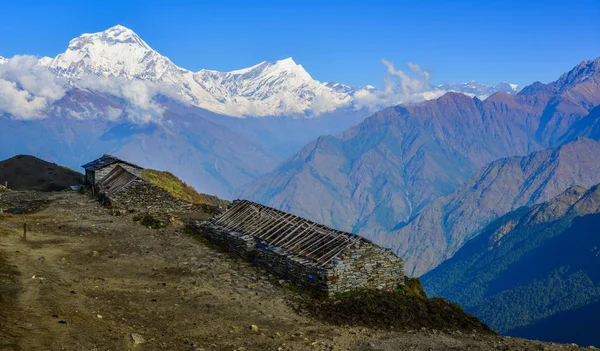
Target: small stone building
[
  {"x": 306, "y": 253},
  {"x": 96, "y": 170}
]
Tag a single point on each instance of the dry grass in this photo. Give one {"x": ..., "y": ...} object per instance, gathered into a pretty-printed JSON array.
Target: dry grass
[{"x": 179, "y": 189}]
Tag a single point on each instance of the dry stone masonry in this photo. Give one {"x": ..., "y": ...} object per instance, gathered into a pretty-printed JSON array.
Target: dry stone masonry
[
  {"x": 125, "y": 192},
  {"x": 325, "y": 260}
]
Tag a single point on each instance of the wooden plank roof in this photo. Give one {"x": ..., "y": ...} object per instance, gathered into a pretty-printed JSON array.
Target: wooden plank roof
[
  {"x": 104, "y": 161},
  {"x": 116, "y": 180},
  {"x": 296, "y": 235}
]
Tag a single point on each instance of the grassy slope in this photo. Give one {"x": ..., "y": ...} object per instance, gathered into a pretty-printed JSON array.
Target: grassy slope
[{"x": 179, "y": 189}]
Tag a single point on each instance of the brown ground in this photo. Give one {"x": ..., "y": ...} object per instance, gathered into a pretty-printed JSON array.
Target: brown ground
[{"x": 86, "y": 280}]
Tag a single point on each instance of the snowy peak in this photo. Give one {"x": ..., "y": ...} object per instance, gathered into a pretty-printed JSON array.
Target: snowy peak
[
  {"x": 507, "y": 87},
  {"x": 120, "y": 34},
  {"x": 287, "y": 67},
  {"x": 114, "y": 35},
  {"x": 472, "y": 88},
  {"x": 270, "y": 89},
  {"x": 45, "y": 61},
  {"x": 3, "y": 60},
  {"x": 115, "y": 52}
]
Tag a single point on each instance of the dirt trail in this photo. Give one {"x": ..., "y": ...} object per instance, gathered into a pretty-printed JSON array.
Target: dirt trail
[{"x": 86, "y": 280}]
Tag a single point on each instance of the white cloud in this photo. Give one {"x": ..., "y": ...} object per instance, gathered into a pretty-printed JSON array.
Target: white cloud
[
  {"x": 26, "y": 88},
  {"x": 325, "y": 102},
  {"x": 399, "y": 87},
  {"x": 138, "y": 96}
]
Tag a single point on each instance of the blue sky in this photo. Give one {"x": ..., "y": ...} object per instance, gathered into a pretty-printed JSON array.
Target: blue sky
[{"x": 343, "y": 41}]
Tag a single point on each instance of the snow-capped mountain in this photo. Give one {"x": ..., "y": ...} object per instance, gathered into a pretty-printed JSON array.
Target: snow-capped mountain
[
  {"x": 266, "y": 89},
  {"x": 2, "y": 60},
  {"x": 116, "y": 52},
  {"x": 508, "y": 87},
  {"x": 472, "y": 88},
  {"x": 281, "y": 88}
]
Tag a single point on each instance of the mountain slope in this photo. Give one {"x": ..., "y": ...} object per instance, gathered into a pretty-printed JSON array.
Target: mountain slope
[
  {"x": 377, "y": 177},
  {"x": 588, "y": 127},
  {"x": 24, "y": 172},
  {"x": 502, "y": 186},
  {"x": 530, "y": 267},
  {"x": 573, "y": 96},
  {"x": 385, "y": 170},
  {"x": 179, "y": 189},
  {"x": 205, "y": 155}
]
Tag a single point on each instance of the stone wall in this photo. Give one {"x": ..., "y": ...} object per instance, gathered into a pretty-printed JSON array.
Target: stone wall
[
  {"x": 366, "y": 265},
  {"x": 362, "y": 266},
  {"x": 243, "y": 245},
  {"x": 143, "y": 196}
]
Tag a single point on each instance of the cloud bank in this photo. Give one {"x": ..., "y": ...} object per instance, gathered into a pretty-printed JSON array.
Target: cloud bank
[
  {"x": 26, "y": 88},
  {"x": 139, "y": 103},
  {"x": 28, "y": 91}
]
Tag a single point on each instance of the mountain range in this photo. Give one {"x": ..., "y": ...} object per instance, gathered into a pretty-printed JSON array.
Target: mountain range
[
  {"x": 467, "y": 182},
  {"x": 111, "y": 92},
  {"x": 382, "y": 178},
  {"x": 533, "y": 272},
  {"x": 443, "y": 227},
  {"x": 281, "y": 88}
]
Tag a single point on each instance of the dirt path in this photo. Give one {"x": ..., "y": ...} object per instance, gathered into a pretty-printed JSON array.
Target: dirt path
[{"x": 86, "y": 280}]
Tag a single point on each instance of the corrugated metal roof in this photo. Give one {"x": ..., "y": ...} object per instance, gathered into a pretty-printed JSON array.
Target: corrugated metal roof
[
  {"x": 296, "y": 235},
  {"x": 116, "y": 180},
  {"x": 104, "y": 161}
]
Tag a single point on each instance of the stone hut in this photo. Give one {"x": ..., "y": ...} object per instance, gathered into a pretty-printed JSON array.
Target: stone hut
[
  {"x": 96, "y": 170},
  {"x": 309, "y": 254}
]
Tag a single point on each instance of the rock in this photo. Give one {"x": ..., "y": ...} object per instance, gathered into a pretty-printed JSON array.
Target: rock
[
  {"x": 137, "y": 339},
  {"x": 254, "y": 328}
]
